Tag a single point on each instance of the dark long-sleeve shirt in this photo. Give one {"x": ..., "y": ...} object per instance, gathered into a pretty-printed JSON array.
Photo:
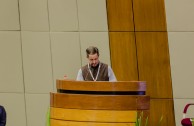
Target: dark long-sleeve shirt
[{"x": 2, "y": 116}]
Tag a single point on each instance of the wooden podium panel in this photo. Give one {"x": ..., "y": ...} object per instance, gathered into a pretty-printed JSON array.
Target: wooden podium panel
[
  {"x": 93, "y": 115},
  {"x": 103, "y": 102},
  {"x": 54, "y": 122},
  {"x": 97, "y": 103}
]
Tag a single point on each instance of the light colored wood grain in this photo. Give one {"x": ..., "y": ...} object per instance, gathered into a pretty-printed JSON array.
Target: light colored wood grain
[
  {"x": 93, "y": 115},
  {"x": 54, "y": 122}
]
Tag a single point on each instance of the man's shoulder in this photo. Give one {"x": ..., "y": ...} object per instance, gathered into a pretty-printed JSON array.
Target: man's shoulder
[
  {"x": 104, "y": 64},
  {"x": 84, "y": 67},
  {"x": 1, "y": 106},
  {"x": 2, "y": 109}
]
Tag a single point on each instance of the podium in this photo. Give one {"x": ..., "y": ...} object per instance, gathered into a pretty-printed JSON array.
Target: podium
[{"x": 89, "y": 103}]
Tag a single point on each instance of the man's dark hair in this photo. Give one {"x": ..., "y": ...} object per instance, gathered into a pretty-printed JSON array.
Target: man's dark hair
[{"x": 92, "y": 50}]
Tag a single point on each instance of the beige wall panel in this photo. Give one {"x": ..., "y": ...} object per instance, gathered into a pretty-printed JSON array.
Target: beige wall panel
[
  {"x": 63, "y": 15},
  {"x": 181, "y": 56},
  {"x": 162, "y": 108},
  {"x": 37, "y": 62},
  {"x": 37, "y": 106},
  {"x": 120, "y": 15},
  {"x": 98, "y": 39},
  {"x": 123, "y": 55},
  {"x": 9, "y": 15},
  {"x": 34, "y": 15},
  {"x": 154, "y": 63},
  {"x": 179, "y": 14},
  {"x": 11, "y": 75},
  {"x": 15, "y": 108},
  {"x": 92, "y": 15},
  {"x": 65, "y": 54},
  {"x": 149, "y": 15},
  {"x": 179, "y": 105}
]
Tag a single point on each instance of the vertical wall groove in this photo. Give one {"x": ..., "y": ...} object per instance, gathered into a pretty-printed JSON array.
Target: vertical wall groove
[{"x": 135, "y": 37}]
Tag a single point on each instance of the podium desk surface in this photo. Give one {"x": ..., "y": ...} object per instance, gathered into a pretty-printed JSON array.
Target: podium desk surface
[{"x": 101, "y": 85}]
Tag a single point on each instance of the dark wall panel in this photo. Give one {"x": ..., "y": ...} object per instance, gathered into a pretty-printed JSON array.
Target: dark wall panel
[
  {"x": 120, "y": 15},
  {"x": 162, "y": 109},
  {"x": 154, "y": 63},
  {"x": 123, "y": 55},
  {"x": 149, "y": 15},
  {"x": 143, "y": 54}
]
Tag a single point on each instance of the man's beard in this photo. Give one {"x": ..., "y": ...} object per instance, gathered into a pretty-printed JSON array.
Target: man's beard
[{"x": 92, "y": 65}]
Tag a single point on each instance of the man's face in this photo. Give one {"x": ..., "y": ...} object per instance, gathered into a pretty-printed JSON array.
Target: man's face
[{"x": 93, "y": 59}]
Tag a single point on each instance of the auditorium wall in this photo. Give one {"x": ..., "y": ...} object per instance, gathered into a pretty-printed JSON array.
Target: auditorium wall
[{"x": 43, "y": 40}]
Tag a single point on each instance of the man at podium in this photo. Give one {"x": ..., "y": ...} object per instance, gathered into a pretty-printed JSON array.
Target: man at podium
[{"x": 95, "y": 70}]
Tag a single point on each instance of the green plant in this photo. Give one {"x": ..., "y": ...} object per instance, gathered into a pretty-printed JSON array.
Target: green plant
[
  {"x": 161, "y": 118},
  {"x": 192, "y": 120},
  {"x": 48, "y": 117},
  {"x": 139, "y": 121}
]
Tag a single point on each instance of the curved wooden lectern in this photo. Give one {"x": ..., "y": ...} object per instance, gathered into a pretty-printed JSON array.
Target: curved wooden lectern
[{"x": 89, "y": 103}]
